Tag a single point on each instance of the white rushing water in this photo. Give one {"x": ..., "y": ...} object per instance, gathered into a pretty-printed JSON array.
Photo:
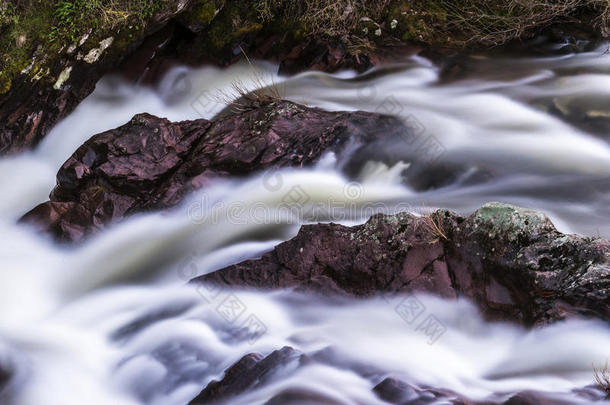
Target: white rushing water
[{"x": 113, "y": 322}]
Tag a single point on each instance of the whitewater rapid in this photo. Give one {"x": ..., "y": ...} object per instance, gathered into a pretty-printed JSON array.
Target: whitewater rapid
[{"x": 112, "y": 321}]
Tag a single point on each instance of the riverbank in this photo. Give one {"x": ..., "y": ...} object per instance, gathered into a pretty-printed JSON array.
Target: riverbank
[{"x": 55, "y": 52}]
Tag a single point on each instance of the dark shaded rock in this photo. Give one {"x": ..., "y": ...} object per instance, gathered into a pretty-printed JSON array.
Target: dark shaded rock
[
  {"x": 148, "y": 319},
  {"x": 255, "y": 371},
  {"x": 249, "y": 373},
  {"x": 592, "y": 393},
  {"x": 399, "y": 392},
  {"x": 395, "y": 391},
  {"x": 535, "y": 398},
  {"x": 324, "y": 55},
  {"x": 511, "y": 261},
  {"x": 151, "y": 163},
  {"x": 302, "y": 397},
  {"x": 5, "y": 377}
]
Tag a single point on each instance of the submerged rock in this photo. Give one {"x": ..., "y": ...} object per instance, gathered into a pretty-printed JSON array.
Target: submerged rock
[
  {"x": 511, "y": 261},
  {"x": 250, "y": 372},
  {"x": 255, "y": 371},
  {"x": 5, "y": 377},
  {"x": 151, "y": 163}
]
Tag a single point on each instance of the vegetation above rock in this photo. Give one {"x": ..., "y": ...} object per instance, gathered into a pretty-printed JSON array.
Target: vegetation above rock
[
  {"x": 53, "y": 52},
  {"x": 53, "y": 26}
]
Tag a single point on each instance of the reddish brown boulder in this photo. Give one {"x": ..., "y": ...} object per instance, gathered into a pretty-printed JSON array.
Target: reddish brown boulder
[
  {"x": 151, "y": 163},
  {"x": 512, "y": 262}
]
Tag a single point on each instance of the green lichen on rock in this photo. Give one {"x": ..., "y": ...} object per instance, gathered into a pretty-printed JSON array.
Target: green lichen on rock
[
  {"x": 497, "y": 220},
  {"x": 201, "y": 14}
]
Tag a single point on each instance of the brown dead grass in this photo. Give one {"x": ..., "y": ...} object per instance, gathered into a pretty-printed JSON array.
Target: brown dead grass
[
  {"x": 241, "y": 98},
  {"x": 433, "y": 224},
  {"x": 497, "y": 22},
  {"x": 602, "y": 377}
]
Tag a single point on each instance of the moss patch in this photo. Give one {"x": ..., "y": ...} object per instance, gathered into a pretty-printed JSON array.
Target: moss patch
[
  {"x": 58, "y": 25},
  {"x": 36, "y": 33},
  {"x": 504, "y": 221}
]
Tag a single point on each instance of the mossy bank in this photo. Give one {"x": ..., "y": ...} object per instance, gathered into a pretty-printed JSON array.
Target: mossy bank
[{"x": 53, "y": 52}]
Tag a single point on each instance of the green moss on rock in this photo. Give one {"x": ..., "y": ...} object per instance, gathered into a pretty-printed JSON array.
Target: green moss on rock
[{"x": 507, "y": 222}]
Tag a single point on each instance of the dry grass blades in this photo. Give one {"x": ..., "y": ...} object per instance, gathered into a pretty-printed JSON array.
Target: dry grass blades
[
  {"x": 240, "y": 97},
  {"x": 324, "y": 17},
  {"x": 602, "y": 377},
  {"x": 433, "y": 224},
  {"x": 497, "y": 22}
]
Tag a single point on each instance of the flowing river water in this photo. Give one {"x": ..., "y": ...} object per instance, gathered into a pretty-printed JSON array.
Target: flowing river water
[{"x": 113, "y": 321}]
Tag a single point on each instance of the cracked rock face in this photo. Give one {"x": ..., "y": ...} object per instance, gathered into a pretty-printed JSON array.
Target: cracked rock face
[
  {"x": 151, "y": 163},
  {"x": 511, "y": 261}
]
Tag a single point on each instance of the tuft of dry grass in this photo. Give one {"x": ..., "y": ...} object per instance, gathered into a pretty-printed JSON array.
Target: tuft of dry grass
[
  {"x": 335, "y": 18},
  {"x": 497, "y": 22},
  {"x": 241, "y": 98},
  {"x": 602, "y": 377},
  {"x": 433, "y": 224},
  {"x": 442, "y": 22}
]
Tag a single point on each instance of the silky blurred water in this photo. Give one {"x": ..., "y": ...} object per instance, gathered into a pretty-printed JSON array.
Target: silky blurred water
[{"x": 111, "y": 321}]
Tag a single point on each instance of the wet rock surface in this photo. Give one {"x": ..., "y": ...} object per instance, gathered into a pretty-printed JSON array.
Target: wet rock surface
[
  {"x": 398, "y": 392},
  {"x": 511, "y": 261},
  {"x": 151, "y": 163},
  {"x": 254, "y": 371},
  {"x": 250, "y": 372}
]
